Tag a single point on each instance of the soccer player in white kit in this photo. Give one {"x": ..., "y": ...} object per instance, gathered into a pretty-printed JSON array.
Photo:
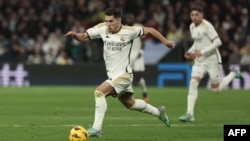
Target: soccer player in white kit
[
  {"x": 137, "y": 58},
  {"x": 118, "y": 40},
  {"x": 207, "y": 60}
]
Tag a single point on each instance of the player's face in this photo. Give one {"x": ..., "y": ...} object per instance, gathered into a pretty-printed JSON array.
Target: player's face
[
  {"x": 196, "y": 17},
  {"x": 113, "y": 24}
]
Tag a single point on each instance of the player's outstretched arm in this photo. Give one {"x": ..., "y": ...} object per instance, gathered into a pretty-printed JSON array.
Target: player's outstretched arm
[
  {"x": 81, "y": 37},
  {"x": 158, "y": 35}
]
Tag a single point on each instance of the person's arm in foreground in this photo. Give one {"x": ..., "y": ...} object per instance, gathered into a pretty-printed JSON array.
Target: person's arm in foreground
[
  {"x": 81, "y": 37},
  {"x": 158, "y": 35}
]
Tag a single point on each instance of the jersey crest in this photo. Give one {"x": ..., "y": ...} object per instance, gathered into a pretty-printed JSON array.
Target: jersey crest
[{"x": 122, "y": 38}]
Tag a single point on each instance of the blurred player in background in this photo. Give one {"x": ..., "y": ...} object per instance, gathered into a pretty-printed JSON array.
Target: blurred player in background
[
  {"x": 118, "y": 40},
  {"x": 207, "y": 60},
  {"x": 137, "y": 58}
]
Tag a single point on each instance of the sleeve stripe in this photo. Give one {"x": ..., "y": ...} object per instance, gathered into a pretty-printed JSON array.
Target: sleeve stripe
[
  {"x": 87, "y": 34},
  {"x": 214, "y": 38},
  {"x": 139, "y": 34}
]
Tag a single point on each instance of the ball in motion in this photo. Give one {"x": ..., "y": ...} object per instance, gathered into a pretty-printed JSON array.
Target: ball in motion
[{"x": 78, "y": 133}]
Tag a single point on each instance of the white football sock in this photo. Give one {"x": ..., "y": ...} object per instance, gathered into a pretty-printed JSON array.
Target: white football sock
[
  {"x": 142, "y": 106},
  {"x": 100, "y": 109},
  {"x": 192, "y": 96},
  {"x": 225, "y": 81},
  {"x": 142, "y": 84}
]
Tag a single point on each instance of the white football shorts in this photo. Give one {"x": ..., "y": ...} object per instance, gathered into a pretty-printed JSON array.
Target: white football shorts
[
  {"x": 213, "y": 70},
  {"x": 122, "y": 83}
]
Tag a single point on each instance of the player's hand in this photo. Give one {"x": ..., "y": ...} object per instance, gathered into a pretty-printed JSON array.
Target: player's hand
[
  {"x": 71, "y": 33},
  {"x": 171, "y": 44},
  {"x": 197, "y": 53},
  {"x": 189, "y": 55}
]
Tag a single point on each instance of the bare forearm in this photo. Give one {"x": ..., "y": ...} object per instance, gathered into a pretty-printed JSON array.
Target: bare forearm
[
  {"x": 158, "y": 35},
  {"x": 81, "y": 37}
]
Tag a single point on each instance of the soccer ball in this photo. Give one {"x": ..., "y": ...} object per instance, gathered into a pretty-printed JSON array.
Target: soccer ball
[{"x": 78, "y": 133}]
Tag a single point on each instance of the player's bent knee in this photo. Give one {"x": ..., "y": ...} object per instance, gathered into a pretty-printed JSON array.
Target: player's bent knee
[
  {"x": 194, "y": 83},
  {"x": 98, "y": 93},
  {"x": 216, "y": 90},
  {"x": 128, "y": 107},
  {"x": 128, "y": 104},
  {"x": 193, "y": 86}
]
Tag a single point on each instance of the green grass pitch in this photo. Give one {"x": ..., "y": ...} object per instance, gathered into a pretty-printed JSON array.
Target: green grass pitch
[{"x": 47, "y": 113}]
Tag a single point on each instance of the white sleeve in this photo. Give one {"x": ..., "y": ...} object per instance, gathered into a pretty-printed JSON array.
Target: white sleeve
[
  {"x": 213, "y": 36},
  {"x": 211, "y": 33},
  {"x": 216, "y": 43},
  {"x": 93, "y": 32},
  {"x": 138, "y": 31},
  {"x": 192, "y": 48}
]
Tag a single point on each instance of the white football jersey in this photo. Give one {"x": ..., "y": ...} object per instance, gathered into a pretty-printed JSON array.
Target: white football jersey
[
  {"x": 136, "y": 49},
  {"x": 117, "y": 47},
  {"x": 203, "y": 35}
]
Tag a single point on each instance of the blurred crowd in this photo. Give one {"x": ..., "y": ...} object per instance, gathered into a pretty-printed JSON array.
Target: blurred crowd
[{"x": 32, "y": 31}]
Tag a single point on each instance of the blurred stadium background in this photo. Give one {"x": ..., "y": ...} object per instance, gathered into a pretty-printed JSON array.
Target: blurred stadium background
[
  {"x": 33, "y": 48},
  {"x": 47, "y": 80}
]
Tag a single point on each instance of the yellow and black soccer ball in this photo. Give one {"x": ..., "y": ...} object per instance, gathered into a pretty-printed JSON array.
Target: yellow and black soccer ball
[{"x": 78, "y": 133}]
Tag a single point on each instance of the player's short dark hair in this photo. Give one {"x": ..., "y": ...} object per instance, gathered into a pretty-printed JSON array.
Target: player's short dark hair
[
  {"x": 116, "y": 12},
  {"x": 197, "y": 8}
]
